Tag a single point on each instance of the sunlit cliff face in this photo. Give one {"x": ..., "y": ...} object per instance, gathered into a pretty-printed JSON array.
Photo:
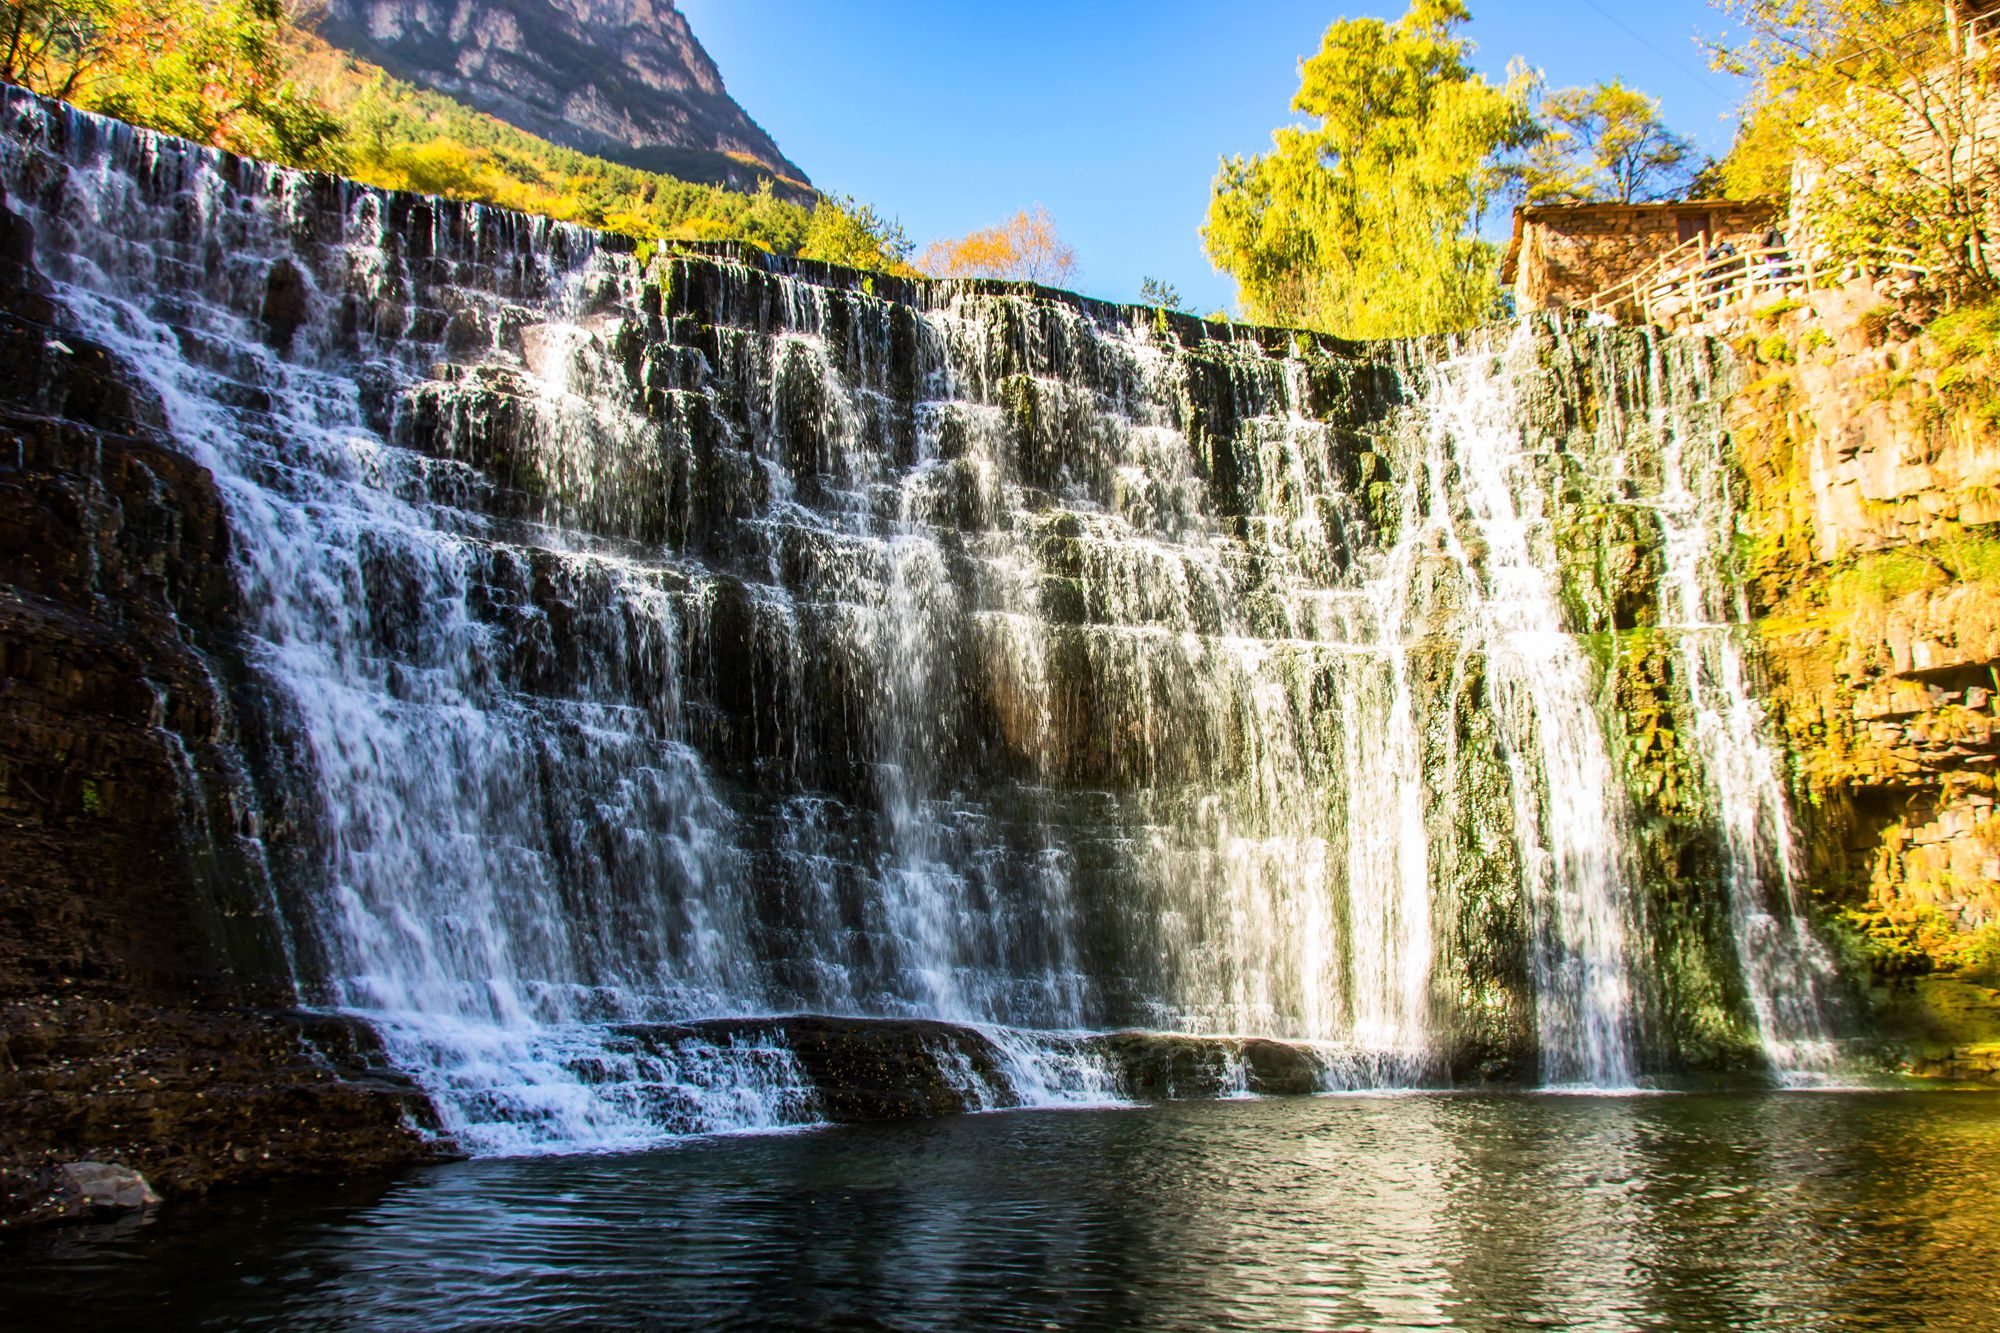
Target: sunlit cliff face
[{"x": 623, "y": 79}]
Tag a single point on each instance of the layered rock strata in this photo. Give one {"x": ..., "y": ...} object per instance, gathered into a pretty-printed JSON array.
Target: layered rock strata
[
  {"x": 1873, "y": 524},
  {"x": 143, "y": 995}
]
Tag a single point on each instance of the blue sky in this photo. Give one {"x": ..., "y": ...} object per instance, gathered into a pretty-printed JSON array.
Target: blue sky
[{"x": 952, "y": 114}]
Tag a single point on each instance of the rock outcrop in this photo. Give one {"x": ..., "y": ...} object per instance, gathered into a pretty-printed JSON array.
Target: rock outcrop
[
  {"x": 143, "y": 992},
  {"x": 1873, "y": 468},
  {"x": 857, "y": 1070},
  {"x": 623, "y": 79},
  {"x": 100, "y": 1187}
]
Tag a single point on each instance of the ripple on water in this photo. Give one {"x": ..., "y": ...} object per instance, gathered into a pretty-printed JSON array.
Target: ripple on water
[{"x": 1760, "y": 1211}]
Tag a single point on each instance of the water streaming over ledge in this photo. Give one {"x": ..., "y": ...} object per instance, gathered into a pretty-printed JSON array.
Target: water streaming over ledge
[
  {"x": 648, "y": 644},
  {"x": 1788, "y": 973}
]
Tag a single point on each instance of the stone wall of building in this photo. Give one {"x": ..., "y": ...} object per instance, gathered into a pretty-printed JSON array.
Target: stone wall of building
[{"x": 1562, "y": 255}]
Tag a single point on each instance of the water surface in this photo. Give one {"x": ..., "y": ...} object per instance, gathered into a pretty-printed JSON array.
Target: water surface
[{"x": 1753, "y": 1211}]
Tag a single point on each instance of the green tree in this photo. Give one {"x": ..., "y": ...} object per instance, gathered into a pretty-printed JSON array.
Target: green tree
[
  {"x": 1607, "y": 144},
  {"x": 1164, "y": 295},
  {"x": 1364, "y": 222},
  {"x": 1876, "y": 113},
  {"x": 843, "y": 231}
]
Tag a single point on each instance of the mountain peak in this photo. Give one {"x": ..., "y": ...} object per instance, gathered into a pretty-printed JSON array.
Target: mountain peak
[{"x": 622, "y": 79}]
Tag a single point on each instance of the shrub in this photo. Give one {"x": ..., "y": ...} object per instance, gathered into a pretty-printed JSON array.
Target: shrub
[{"x": 1774, "y": 349}]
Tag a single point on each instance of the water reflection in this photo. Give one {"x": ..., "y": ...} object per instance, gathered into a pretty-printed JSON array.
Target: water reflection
[{"x": 1799, "y": 1211}]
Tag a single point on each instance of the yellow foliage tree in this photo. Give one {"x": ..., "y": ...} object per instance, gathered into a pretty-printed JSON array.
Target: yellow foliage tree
[
  {"x": 1025, "y": 248},
  {"x": 1879, "y": 112},
  {"x": 215, "y": 71},
  {"x": 1364, "y": 222}
]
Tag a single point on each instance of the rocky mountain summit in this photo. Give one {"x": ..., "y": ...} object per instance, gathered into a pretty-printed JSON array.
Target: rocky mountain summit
[{"x": 623, "y": 79}]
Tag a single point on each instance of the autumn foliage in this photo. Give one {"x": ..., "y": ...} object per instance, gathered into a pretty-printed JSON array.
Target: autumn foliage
[
  {"x": 215, "y": 71},
  {"x": 1025, "y": 248}
]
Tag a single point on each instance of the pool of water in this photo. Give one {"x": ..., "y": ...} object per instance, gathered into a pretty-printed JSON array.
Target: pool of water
[{"x": 1753, "y": 1211}]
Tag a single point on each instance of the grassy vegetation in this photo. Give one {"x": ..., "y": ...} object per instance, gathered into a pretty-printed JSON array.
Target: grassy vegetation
[
  {"x": 1914, "y": 938},
  {"x": 1774, "y": 349},
  {"x": 402, "y": 137},
  {"x": 1865, "y": 587},
  {"x": 1969, "y": 331}
]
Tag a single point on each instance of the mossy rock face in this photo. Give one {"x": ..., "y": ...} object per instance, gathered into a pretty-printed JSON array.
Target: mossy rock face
[
  {"x": 1612, "y": 560},
  {"x": 1485, "y": 984},
  {"x": 1942, "y": 1027},
  {"x": 1938, "y": 1013},
  {"x": 1654, "y": 741},
  {"x": 1695, "y": 1014}
]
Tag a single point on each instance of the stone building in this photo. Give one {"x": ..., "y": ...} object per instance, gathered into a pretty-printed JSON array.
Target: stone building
[{"x": 1564, "y": 254}]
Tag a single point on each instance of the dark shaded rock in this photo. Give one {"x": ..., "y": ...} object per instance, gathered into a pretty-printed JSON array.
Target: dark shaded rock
[
  {"x": 1175, "y": 1066},
  {"x": 21, "y": 287},
  {"x": 1278, "y": 1069},
  {"x": 1162, "y": 1065},
  {"x": 865, "y": 1069},
  {"x": 287, "y": 303},
  {"x": 465, "y": 333},
  {"x": 139, "y": 959}
]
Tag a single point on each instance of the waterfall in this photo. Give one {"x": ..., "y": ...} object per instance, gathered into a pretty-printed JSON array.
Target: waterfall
[
  {"x": 1787, "y": 971},
  {"x": 1569, "y": 804},
  {"x": 642, "y": 645}
]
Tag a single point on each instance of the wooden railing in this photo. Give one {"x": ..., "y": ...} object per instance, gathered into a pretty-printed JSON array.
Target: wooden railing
[
  {"x": 1629, "y": 292},
  {"x": 1683, "y": 287},
  {"x": 1979, "y": 34}
]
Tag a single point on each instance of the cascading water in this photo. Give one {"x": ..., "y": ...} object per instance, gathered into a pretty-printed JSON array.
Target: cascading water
[
  {"x": 1787, "y": 972},
  {"x": 1568, "y": 801},
  {"x": 651, "y": 644}
]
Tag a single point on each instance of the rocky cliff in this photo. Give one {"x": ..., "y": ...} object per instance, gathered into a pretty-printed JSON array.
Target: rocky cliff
[
  {"x": 1872, "y": 461},
  {"x": 622, "y": 79},
  {"x": 561, "y": 661},
  {"x": 145, "y": 1005}
]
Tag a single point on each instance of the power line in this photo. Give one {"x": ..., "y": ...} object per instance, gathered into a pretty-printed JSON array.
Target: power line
[{"x": 1648, "y": 44}]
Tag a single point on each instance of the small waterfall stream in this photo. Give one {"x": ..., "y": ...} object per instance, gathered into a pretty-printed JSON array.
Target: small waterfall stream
[
  {"x": 1569, "y": 806},
  {"x": 648, "y": 645},
  {"x": 1787, "y": 972}
]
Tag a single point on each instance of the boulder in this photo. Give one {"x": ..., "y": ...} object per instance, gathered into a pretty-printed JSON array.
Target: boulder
[{"x": 105, "y": 1186}]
